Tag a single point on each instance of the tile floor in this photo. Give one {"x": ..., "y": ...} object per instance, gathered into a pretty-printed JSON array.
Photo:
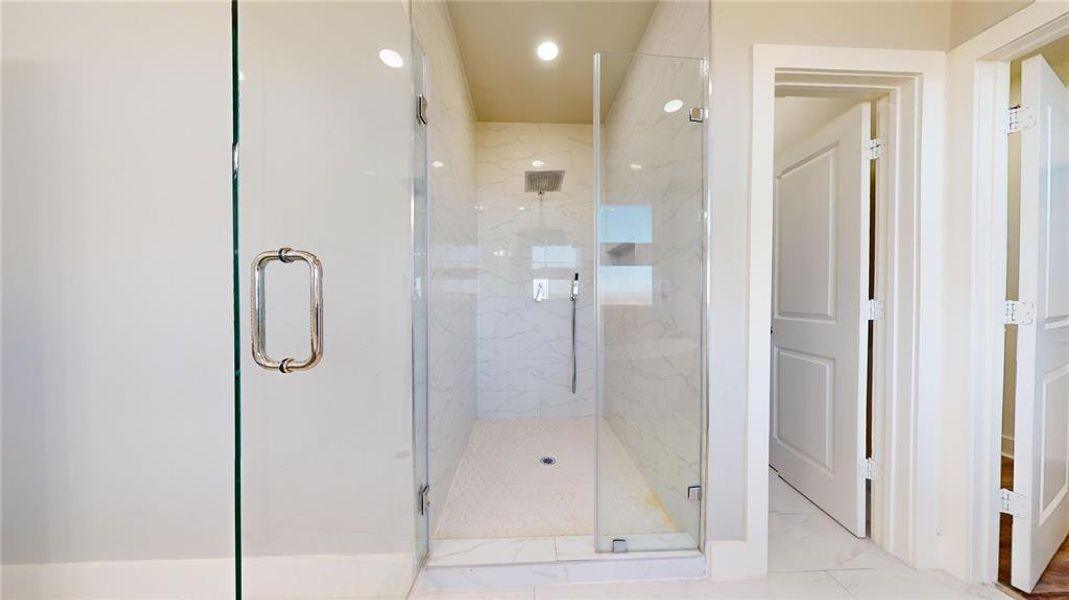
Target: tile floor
[
  {"x": 501, "y": 490},
  {"x": 810, "y": 556}
]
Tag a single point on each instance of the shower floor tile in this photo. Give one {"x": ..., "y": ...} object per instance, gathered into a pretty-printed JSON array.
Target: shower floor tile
[{"x": 502, "y": 489}]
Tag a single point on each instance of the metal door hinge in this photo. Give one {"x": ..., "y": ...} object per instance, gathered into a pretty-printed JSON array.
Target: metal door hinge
[
  {"x": 1016, "y": 312},
  {"x": 694, "y": 492},
  {"x": 867, "y": 468},
  {"x": 424, "y": 499},
  {"x": 872, "y": 310},
  {"x": 697, "y": 114},
  {"x": 619, "y": 545},
  {"x": 421, "y": 108},
  {"x": 874, "y": 148},
  {"x": 1012, "y": 503},
  {"x": 1019, "y": 118},
  {"x": 235, "y": 156}
]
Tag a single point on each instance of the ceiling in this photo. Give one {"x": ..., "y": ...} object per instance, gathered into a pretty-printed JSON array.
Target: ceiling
[{"x": 509, "y": 83}]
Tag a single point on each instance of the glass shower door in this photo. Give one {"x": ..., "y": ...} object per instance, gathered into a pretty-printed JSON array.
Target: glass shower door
[
  {"x": 650, "y": 289},
  {"x": 324, "y": 197}
]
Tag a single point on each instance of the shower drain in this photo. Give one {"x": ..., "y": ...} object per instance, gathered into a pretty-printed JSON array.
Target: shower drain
[{"x": 548, "y": 460}]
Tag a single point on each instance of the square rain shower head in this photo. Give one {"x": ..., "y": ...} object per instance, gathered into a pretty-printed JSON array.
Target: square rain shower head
[{"x": 543, "y": 181}]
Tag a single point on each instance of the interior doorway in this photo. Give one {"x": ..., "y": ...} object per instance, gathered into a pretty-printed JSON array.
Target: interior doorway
[
  {"x": 1033, "y": 548},
  {"x": 828, "y": 177}
]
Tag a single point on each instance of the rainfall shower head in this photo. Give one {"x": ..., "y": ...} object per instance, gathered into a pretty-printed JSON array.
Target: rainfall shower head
[{"x": 543, "y": 181}]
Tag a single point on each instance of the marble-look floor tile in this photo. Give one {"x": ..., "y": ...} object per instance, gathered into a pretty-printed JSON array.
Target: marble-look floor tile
[
  {"x": 778, "y": 585},
  {"x": 782, "y": 498},
  {"x": 815, "y": 542},
  {"x": 525, "y": 593},
  {"x": 482, "y": 551},
  {"x": 895, "y": 584}
]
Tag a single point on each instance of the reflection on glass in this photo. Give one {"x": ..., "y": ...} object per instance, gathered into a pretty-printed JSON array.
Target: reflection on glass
[
  {"x": 626, "y": 224},
  {"x": 554, "y": 257},
  {"x": 627, "y": 285}
]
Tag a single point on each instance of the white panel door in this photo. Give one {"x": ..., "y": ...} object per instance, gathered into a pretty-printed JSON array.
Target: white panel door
[
  {"x": 1041, "y": 448},
  {"x": 819, "y": 350}
]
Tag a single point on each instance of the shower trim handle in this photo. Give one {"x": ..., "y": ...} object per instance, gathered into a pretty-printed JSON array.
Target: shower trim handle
[{"x": 259, "y": 310}]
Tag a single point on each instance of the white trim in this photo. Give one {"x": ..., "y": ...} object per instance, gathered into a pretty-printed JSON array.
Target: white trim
[
  {"x": 977, "y": 164},
  {"x": 912, "y": 532}
]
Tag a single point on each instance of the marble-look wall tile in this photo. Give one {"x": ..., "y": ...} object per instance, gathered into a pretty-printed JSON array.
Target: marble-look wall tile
[
  {"x": 652, "y": 328},
  {"x": 524, "y": 346},
  {"x": 453, "y": 251}
]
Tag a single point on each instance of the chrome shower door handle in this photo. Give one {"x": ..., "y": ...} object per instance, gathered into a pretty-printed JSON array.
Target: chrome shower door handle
[{"x": 259, "y": 310}]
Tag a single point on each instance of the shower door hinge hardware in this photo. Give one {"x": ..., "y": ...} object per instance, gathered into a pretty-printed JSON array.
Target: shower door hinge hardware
[
  {"x": 619, "y": 545},
  {"x": 866, "y": 468},
  {"x": 421, "y": 108},
  {"x": 1019, "y": 118},
  {"x": 872, "y": 310},
  {"x": 424, "y": 498},
  {"x": 874, "y": 148},
  {"x": 694, "y": 492},
  {"x": 1012, "y": 503},
  {"x": 1018, "y": 313},
  {"x": 697, "y": 114},
  {"x": 234, "y": 158}
]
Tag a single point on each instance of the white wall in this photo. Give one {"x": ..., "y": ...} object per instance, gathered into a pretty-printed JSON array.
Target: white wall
[
  {"x": 118, "y": 378},
  {"x": 798, "y": 117},
  {"x": 525, "y": 347},
  {"x": 454, "y": 258},
  {"x": 736, "y": 27}
]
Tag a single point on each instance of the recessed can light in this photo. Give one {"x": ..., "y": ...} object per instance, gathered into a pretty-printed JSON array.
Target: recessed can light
[
  {"x": 538, "y": 164},
  {"x": 437, "y": 164},
  {"x": 636, "y": 167},
  {"x": 548, "y": 51},
  {"x": 673, "y": 105},
  {"x": 391, "y": 58}
]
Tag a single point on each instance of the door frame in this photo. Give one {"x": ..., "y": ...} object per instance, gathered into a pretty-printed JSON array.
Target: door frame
[
  {"x": 904, "y": 525},
  {"x": 981, "y": 72}
]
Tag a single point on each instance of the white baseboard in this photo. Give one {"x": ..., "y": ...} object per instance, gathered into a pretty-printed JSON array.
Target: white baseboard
[
  {"x": 264, "y": 578},
  {"x": 735, "y": 559}
]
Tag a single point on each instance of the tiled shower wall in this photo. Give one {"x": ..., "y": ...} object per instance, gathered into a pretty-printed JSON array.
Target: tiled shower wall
[
  {"x": 652, "y": 346},
  {"x": 524, "y": 346},
  {"x": 453, "y": 248}
]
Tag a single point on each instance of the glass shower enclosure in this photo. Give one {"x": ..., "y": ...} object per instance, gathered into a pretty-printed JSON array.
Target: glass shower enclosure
[{"x": 330, "y": 246}]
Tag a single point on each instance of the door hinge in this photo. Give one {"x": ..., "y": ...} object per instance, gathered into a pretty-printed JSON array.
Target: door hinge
[
  {"x": 619, "y": 545},
  {"x": 866, "y": 469},
  {"x": 694, "y": 492},
  {"x": 235, "y": 156},
  {"x": 872, "y": 310},
  {"x": 874, "y": 148},
  {"x": 1012, "y": 503},
  {"x": 421, "y": 108},
  {"x": 697, "y": 114},
  {"x": 424, "y": 499},
  {"x": 1016, "y": 312},
  {"x": 1019, "y": 118}
]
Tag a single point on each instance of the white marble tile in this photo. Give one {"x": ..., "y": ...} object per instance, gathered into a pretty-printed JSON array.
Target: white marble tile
[
  {"x": 815, "y": 542},
  {"x": 782, "y": 498},
  {"x": 894, "y": 584},
  {"x": 781, "y": 585},
  {"x": 492, "y": 551},
  {"x": 641, "y": 546},
  {"x": 510, "y": 593}
]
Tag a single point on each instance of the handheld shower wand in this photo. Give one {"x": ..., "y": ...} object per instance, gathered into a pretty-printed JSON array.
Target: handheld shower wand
[{"x": 575, "y": 358}]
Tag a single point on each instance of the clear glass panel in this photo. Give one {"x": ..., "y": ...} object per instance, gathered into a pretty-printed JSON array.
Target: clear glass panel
[
  {"x": 117, "y": 341},
  {"x": 650, "y": 295},
  {"x": 328, "y": 493}
]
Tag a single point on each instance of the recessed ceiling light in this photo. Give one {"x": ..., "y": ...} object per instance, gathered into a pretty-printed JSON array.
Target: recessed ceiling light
[
  {"x": 636, "y": 167},
  {"x": 437, "y": 164},
  {"x": 548, "y": 51},
  {"x": 673, "y": 105},
  {"x": 538, "y": 164},
  {"x": 391, "y": 58}
]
